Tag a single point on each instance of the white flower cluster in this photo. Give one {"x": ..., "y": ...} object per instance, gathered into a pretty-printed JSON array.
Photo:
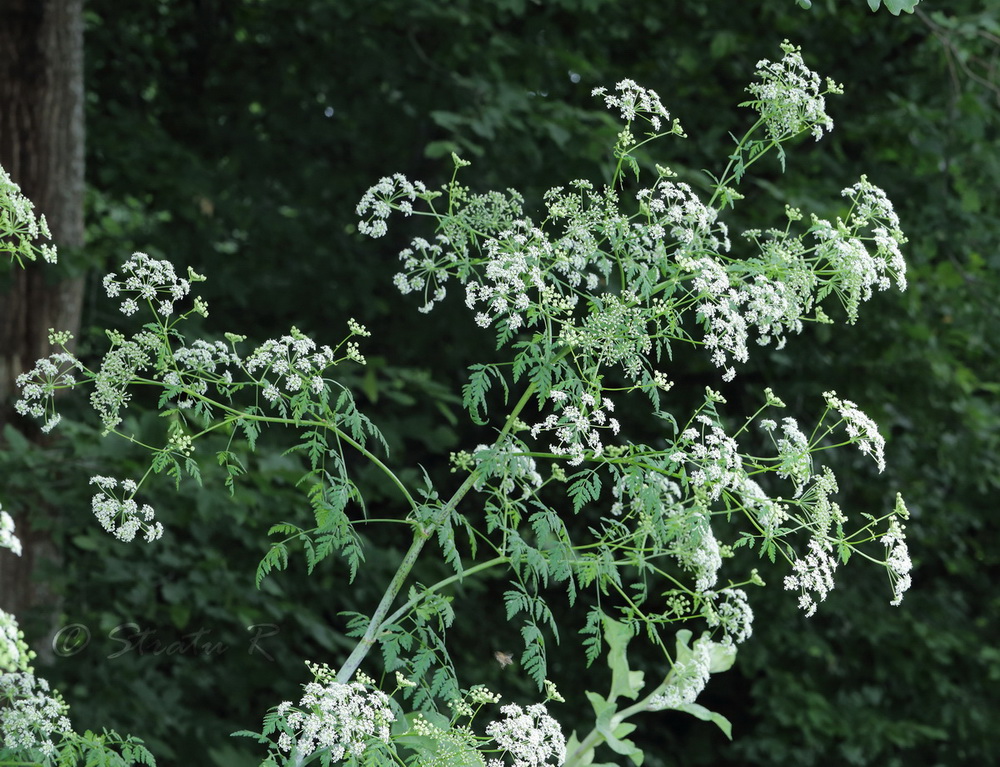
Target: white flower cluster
[
  {"x": 698, "y": 549},
  {"x": 676, "y": 210},
  {"x": 8, "y": 540},
  {"x": 296, "y": 359},
  {"x": 205, "y": 356},
  {"x": 378, "y": 202},
  {"x": 29, "y": 715},
  {"x": 812, "y": 573},
  {"x": 897, "y": 559},
  {"x": 770, "y": 513},
  {"x": 514, "y": 470},
  {"x": 150, "y": 280},
  {"x": 39, "y": 385},
  {"x": 788, "y": 96},
  {"x": 201, "y": 358},
  {"x": 426, "y": 268},
  {"x": 123, "y": 517},
  {"x": 530, "y": 736},
  {"x": 683, "y": 530},
  {"x": 793, "y": 452},
  {"x": 858, "y": 270},
  {"x": 18, "y": 225},
  {"x": 633, "y": 100},
  {"x": 733, "y": 615},
  {"x": 513, "y": 267},
  {"x": 730, "y": 307},
  {"x": 860, "y": 428},
  {"x": 577, "y": 429},
  {"x": 717, "y": 456},
  {"x": 687, "y": 678},
  {"x": 120, "y": 365},
  {"x": 14, "y": 652},
  {"x": 339, "y": 717}
]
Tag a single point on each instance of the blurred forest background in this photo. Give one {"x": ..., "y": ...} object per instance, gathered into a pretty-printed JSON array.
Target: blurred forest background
[{"x": 236, "y": 136}]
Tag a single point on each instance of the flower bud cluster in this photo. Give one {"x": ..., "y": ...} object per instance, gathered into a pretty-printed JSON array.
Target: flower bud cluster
[{"x": 613, "y": 333}]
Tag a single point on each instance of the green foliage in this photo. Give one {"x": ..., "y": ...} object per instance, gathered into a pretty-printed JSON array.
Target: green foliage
[
  {"x": 626, "y": 272},
  {"x": 170, "y": 122},
  {"x": 894, "y": 6}
]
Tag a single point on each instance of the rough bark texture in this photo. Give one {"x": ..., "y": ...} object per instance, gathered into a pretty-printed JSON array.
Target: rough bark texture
[{"x": 42, "y": 147}]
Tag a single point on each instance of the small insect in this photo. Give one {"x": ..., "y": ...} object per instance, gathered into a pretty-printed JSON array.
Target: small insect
[{"x": 503, "y": 658}]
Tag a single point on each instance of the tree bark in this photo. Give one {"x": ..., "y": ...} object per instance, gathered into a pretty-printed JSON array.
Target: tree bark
[{"x": 42, "y": 148}]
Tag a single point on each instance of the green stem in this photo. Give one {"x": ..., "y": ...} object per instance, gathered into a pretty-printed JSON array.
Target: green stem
[
  {"x": 235, "y": 415},
  {"x": 421, "y": 534},
  {"x": 441, "y": 584}
]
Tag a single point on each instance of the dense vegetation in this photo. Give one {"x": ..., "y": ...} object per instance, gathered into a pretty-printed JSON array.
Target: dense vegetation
[{"x": 238, "y": 137}]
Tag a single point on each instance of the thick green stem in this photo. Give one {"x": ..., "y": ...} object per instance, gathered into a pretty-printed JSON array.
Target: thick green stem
[{"x": 421, "y": 534}]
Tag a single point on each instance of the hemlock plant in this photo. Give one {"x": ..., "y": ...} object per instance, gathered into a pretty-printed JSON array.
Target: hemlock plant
[{"x": 588, "y": 302}]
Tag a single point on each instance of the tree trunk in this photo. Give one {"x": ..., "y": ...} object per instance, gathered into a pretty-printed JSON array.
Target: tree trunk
[{"x": 42, "y": 148}]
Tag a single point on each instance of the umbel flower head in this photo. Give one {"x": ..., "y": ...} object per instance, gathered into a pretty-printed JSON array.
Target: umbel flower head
[
  {"x": 531, "y": 737},
  {"x": 19, "y": 225},
  {"x": 344, "y": 718},
  {"x": 149, "y": 279},
  {"x": 789, "y": 98},
  {"x": 29, "y": 714},
  {"x": 123, "y": 517}
]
